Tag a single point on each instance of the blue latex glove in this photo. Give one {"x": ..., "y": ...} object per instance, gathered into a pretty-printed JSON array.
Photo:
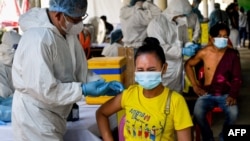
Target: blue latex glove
[
  {"x": 114, "y": 88},
  {"x": 95, "y": 88},
  {"x": 196, "y": 47},
  {"x": 5, "y": 113},
  {"x": 188, "y": 51},
  {"x": 2, "y": 123},
  {"x": 6, "y": 101}
]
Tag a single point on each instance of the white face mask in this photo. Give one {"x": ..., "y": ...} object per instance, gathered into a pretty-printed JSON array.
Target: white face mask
[
  {"x": 148, "y": 79},
  {"x": 220, "y": 42},
  {"x": 71, "y": 28}
]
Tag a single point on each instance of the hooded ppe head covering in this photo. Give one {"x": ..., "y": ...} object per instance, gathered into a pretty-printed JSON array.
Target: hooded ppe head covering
[
  {"x": 10, "y": 40},
  {"x": 176, "y": 8},
  {"x": 132, "y": 2},
  {"x": 116, "y": 35},
  {"x": 72, "y": 8}
]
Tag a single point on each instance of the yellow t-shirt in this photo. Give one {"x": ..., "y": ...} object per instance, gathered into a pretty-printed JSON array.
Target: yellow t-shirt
[{"x": 145, "y": 117}]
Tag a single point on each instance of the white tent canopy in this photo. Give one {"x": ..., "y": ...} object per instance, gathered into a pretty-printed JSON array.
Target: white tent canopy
[{"x": 110, "y": 8}]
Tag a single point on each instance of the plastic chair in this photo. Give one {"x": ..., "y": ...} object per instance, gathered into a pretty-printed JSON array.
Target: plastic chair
[
  {"x": 85, "y": 40},
  {"x": 121, "y": 128}
]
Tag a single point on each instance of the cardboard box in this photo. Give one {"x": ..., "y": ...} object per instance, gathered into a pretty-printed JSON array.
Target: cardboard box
[{"x": 129, "y": 54}]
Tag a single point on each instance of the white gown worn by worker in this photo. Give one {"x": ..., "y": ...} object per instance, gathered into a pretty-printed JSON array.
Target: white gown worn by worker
[
  {"x": 9, "y": 39},
  {"x": 111, "y": 50},
  {"x": 6, "y": 86},
  {"x": 47, "y": 72},
  {"x": 194, "y": 24},
  {"x": 7, "y": 51},
  {"x": 172, "y": 38},
  {"x": 134, "y": 22}
]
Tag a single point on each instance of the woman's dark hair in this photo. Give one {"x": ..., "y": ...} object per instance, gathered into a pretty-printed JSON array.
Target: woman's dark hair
[
  {"x": 151, "y": 45},
  {"x": 214, "y": 30}
]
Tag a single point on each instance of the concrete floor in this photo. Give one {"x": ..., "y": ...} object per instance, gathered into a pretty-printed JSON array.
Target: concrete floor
[{"x": 244, "y": 99}]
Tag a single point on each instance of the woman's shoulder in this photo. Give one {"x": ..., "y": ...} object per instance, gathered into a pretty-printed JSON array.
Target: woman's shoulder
[{"x": 131, "y": 88}]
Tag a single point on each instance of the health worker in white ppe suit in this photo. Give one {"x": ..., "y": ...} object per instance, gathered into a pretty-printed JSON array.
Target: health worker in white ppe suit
[
  {"x": 9, "y": 43},
  {"x": 111, "y": 50},
  {"x": 195, "y": 26},
  {"x": 170, "y": 28},
  {"x": 50, "y": 71},
  {"x": 135, "y": 18}
]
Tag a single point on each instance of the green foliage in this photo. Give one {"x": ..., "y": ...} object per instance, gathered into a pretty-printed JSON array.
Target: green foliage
[{"x": 245, "y": 4}]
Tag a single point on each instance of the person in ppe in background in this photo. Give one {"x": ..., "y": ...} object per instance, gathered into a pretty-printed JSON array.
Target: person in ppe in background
[
  {"x": 111, "y": 49},
  {"x": 222, "y": 80},
  {"x": 146, "y": 103},
  {"x": 50, "y": 71},
  {"x": 170, "y": 28},
  {"x": 135, "y": 18},
  {"x": 195, "y": 9},
  {"x": 195, "y": 26},
  {"x": 9, "y": 43}
]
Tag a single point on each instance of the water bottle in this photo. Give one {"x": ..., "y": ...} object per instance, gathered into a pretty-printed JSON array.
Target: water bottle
[{"x": 74, "y": 113}]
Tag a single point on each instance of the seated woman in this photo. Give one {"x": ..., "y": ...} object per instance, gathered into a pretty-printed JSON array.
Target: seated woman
[{"x": 153, "y": 112}]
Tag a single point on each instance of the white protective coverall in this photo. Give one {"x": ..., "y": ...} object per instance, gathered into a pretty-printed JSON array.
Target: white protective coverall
[
  {"x": 47, "y": 72},
  {"x": 134, "y": 22},
  {"x": 111, "y": 50},
  {"x": 7, "y": 51},
  {"x": 194, "y": 24},
  {"x": 172, "y": 37},
  {"x": 6, "y": 86}
]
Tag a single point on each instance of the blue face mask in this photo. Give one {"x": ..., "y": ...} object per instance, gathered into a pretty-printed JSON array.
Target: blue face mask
[
  {"x": 220, "y": 42},
  {"x": 148, "y": 79}
]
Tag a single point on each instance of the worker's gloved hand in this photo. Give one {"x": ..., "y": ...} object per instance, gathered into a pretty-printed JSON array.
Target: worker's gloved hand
[
  {"x": 5, "y": 113},
  {"x": 6, "y": 101},
  {"x": 188, "y": 51},
  {"x": 196, "y": 47},
  {"x": 192, "y": 45},
  {"x": 2, "y": 123},
  {"x": 95, "y": 88},
  {"x": 114, "y": 88}
]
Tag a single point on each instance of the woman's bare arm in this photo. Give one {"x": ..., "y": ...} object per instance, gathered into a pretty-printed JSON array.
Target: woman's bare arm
[
  {"x": 102, "y": 116},
  {"x": 184, "y": 134}
]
